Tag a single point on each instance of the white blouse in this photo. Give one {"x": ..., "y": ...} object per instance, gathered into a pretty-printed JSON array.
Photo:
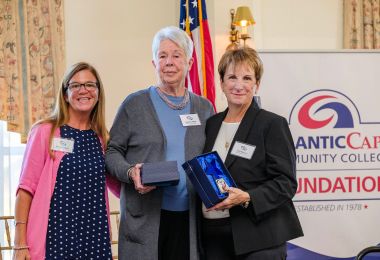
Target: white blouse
[{"x": 222, "y": 145}]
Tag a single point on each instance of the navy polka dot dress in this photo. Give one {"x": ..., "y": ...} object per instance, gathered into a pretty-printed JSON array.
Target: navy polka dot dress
[{"x": 78, "y": 222}]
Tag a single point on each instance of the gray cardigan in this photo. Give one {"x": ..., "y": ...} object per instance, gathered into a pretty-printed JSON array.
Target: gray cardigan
[{"x": 136, "y": 136}]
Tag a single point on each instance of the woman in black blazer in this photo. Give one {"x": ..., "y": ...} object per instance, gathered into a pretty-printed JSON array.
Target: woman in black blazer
[{"x": 258, "y": 217}]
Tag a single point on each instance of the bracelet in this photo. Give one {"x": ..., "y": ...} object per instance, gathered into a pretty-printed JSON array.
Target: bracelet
[
  {"x": 20, "y": 247},
  {"x": 245, "y": 204},
  {"x": 129, "y": 173},
  {"x": 19, "y": 222}
]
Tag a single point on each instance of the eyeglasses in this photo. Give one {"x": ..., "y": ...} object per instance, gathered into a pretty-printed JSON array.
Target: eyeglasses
[{"x": 89, "y": 86}]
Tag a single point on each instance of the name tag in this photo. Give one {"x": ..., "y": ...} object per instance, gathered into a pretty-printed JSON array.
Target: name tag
[
  {"x": 190, "y": 120},
  {"x": 243, "y": 150},
  {"x": 62, "y": 145}
]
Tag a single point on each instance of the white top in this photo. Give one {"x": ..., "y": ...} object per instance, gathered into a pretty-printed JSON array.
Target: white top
[{"x": 222, "y": 145}]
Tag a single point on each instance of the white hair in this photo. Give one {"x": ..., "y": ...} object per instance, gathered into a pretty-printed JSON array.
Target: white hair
[{"x": 176, "y": 35}]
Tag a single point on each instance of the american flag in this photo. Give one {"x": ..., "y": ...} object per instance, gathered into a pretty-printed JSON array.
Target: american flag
[{"x": 193, "y": 19}]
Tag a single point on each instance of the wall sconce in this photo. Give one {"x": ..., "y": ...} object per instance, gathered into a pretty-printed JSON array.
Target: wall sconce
[{"x": 242, "y": 18}]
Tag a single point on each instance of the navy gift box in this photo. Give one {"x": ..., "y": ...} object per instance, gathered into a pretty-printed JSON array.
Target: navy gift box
[
  {"x": 208, "y": 175},
  {"x": 160, "y": 174}
]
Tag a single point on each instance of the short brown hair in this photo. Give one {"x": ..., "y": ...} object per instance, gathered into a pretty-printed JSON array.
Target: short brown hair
[{"x": 241, "y": 56}]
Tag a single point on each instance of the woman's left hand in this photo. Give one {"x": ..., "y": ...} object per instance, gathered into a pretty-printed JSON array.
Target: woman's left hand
[
  {"x": 135, "y": 175},
  {"x": 235, "y": 197}
]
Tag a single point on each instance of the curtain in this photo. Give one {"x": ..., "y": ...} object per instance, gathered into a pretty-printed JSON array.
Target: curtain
[
  {"x": 361, "y": 24},
  {"x": 32, "y": 60}
]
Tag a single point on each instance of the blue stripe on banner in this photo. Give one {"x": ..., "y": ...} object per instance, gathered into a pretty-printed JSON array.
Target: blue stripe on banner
[
  {"x": 23, "y": 62},
  {"x": 300, "y": 253}
]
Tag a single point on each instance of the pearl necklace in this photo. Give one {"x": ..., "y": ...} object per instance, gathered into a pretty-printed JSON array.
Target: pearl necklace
[{"x": 180, "y": 106}]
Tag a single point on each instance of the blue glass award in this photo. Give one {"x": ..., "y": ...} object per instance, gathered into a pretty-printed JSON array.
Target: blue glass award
[{"x": 209, "y": 177}]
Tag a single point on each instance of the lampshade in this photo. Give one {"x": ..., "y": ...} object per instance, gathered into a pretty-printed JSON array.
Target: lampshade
[{"x": 243, "y": 16}]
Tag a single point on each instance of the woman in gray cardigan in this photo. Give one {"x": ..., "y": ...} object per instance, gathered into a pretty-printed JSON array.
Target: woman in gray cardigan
[{"x": 151, "y": 126}]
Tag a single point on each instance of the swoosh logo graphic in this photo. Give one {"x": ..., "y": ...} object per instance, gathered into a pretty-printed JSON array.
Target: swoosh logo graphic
[
  {"x": 297, "y": 253},
  {"x": 344, "y": 115},
  {"x": 304, "y": 117}
]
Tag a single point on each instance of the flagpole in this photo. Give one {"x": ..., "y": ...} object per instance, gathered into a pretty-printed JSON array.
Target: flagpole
[
  {"x": 187, "y": 18},
  {"x": 202, "y": 48}
]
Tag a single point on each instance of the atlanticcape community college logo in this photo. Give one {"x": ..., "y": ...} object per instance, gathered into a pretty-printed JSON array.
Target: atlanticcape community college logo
[{"x": 338, "y": 155}]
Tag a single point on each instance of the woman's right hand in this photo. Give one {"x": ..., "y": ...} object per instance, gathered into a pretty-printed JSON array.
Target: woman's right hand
[
  {"x": 135, "y": 176},
  {"x": 21, "y": 254}
]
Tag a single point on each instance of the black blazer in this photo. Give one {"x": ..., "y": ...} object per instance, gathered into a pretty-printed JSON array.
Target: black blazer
[{"x": 269, "y": 177}]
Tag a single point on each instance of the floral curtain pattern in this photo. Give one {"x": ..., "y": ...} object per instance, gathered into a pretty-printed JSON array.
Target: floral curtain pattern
[
  {"x": 32, "y": 60},
  {"x": 362, "y": 24}
]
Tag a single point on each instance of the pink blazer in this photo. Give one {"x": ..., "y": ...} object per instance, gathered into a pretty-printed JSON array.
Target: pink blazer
[{"x": 38, "y": 176}]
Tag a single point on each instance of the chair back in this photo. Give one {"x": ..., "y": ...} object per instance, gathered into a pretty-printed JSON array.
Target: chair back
[
  {"x": 5, "y": 223},
  {"x": 115, "y": 222}
]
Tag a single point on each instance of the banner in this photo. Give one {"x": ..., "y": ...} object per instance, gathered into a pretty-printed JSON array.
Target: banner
[{"x": 331, "y": 102}]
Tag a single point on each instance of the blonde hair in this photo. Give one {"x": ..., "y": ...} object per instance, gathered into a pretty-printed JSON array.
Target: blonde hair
[{"x": 60, "y": 114}]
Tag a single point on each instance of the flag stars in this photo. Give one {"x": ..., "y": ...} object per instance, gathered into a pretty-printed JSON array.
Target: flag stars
[{"x": 195, "y": 3}]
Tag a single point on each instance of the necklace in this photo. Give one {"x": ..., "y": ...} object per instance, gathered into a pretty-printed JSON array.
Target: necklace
[
  {"x": 229, "y": 133},
  {"x": 180, "y": 106},
  {"x": 227, "y": 145}
]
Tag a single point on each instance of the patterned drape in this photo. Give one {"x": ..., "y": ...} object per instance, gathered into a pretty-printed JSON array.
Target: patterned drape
[
  {"x": 361, "y": 24},
  {"x": 32, "y": 60}
]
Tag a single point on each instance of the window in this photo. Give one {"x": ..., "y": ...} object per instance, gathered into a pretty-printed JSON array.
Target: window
[{"x": 11, "y": 154}]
